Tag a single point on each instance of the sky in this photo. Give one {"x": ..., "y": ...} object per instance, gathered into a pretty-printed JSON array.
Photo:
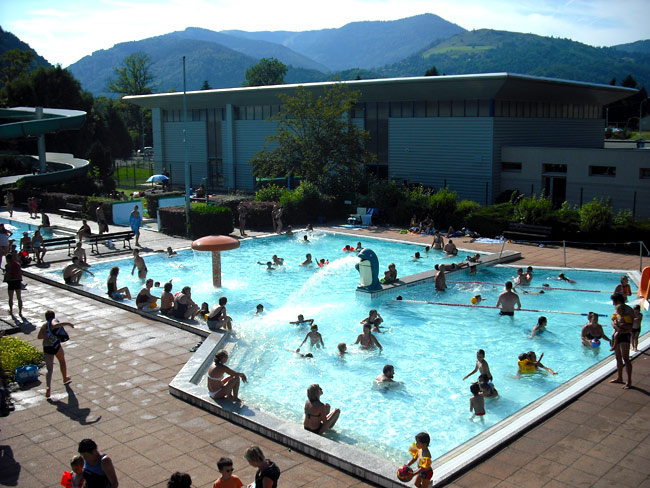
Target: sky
[{"x": 64, "y": 31}]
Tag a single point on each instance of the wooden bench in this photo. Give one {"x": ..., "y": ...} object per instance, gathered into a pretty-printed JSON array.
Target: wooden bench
[
  {"x": 527, "y": 230},
  {"x": 71, "y": 211},
  {"x": 71, "y": 242},
  {"x": 95, "y": 239}
]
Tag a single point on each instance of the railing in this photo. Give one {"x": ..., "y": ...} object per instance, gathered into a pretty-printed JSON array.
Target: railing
[{"x": 642, "y": 246}]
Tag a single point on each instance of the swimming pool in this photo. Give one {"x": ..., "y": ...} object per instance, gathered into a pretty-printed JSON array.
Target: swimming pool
[
  {"x": 431, "y": 346},
  {"x": 17, "y": 228}
]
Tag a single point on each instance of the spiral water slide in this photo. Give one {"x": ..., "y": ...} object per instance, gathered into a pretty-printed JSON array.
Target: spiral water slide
[{"x": 28, "y": 122}]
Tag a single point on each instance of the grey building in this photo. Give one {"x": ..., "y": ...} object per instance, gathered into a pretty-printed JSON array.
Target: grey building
[{"x": 445, "y": 130}]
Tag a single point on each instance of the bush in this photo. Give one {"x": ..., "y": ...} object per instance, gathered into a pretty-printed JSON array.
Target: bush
[
  {"x": 566, "y": 222},
  {"x": 15, "y": 352},
  {"x": 270, "y": 193},
  {"x": 205, "y": 220},
  {"x": 490, "y": 221},
  {"x": 258, "y": 215},
  {"x": 152, "y": 201},
  {"x": 442, "y": 207},
  {"x": 208, "y": 220},
  {"x": 596, "y": 218},
  {"x": 531, "y": 210},
  {"x": 463, "y": 209}
]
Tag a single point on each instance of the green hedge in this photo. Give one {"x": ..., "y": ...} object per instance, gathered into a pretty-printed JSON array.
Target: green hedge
[
  {"x": 152, "y": 201},
  {"x": 16, "y": 352},
  {"x": 492, "y": 220},
  {"x": 205, "y": 220}
]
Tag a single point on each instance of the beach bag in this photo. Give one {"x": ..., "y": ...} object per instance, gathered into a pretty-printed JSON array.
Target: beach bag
[
  {"x": 26, "y": 374},
  {"x": 61, "y": 334}
]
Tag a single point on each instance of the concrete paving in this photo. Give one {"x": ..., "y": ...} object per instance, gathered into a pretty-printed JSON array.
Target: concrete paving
[{"x": 122, "y": 363}]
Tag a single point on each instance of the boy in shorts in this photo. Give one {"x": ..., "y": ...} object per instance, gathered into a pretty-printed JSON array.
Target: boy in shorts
[
  {"x": 476, "y": 402},
  {"x": 227, "y": 479}
]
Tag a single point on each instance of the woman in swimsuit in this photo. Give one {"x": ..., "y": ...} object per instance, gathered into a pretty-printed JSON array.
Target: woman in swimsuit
[
  {"x": 52, "y": 349},
  {"x": 318, "y": 417},
  {"x": 111, "y": 284},
  {"x": 184, "y": 306},
  {"x": 592, "y": 330},
  {"x": 223, "y": 381}
]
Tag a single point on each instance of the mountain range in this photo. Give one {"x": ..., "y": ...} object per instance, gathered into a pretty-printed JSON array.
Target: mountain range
[{"x": 405, "y": 47}]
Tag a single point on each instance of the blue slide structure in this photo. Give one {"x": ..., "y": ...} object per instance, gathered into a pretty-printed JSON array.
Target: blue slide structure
[{"x": 23, "y": 122}]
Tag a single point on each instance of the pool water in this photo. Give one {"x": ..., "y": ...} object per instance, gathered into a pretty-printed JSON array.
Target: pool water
[
  {"x": 431, "y": 346},
  {"x": 17, "y": 228}
]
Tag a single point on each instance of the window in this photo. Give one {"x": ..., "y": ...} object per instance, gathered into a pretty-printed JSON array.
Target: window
[
  {"x": 554, "y": 168},
  {"x": 511, "y": 167},
  {"x": 602, "y": 171},
  {"x": 644, "y": 173}
]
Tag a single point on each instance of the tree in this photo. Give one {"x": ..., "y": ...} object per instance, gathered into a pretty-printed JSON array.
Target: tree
[
  {"x": 432, "y": 72},
  {"x": 206, "y": 85},
  {"x": 269, "y": 71},
  {"x": 134, "y": 77},
  {"x": 14, "y": 63},
  {"x": 316, "y": 139},
  {"x": 629, "y": 82}
]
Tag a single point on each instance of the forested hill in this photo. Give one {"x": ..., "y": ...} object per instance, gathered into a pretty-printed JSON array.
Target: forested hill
[
  {"x": 362, "y": 44},
  {"x": 220, "y": 66},
  {"x": 488, "y": 51},
  {"x": 635, "y": 47},
  {"x": 8, "y": 41}
]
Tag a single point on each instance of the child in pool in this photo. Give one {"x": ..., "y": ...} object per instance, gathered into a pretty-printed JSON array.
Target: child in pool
[
  {"x": 476, "y": 402},
  {"x": 487, "y": 388},
  {"x": 315, "y": 338},
  {"x": 540, "y": 327},
  {"x": 528, "y": 363},
  {"x": 481, "y": 366},
  {"x": 423, "y": 457},
  {"x": 343, "y": 348},
  {"x": 302, "y": 321}
]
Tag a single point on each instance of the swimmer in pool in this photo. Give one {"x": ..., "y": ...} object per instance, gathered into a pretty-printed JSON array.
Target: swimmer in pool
[
  {"x": 540, "y": 327},
  {"x": 302, "y": 321},
  {"x": 481, "y": 366},
  {"x": 269, "y": 265},
  {"x": 277, "y": 261},
  {"x": 307, "y": 260},
  {"x": 508, "y": 301},
  {"x": 528, "y": 363},
  {"x": 374, "y": 319},
  {"x": 387, "y": 375},
  {"x": 342, "y": 348},
  {"x": 476, "y": 401},
  {"x": 367, "y": 340},
  {"x": 315, "y": 338}
]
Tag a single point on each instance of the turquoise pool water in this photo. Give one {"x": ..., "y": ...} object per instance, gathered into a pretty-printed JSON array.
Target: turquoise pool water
[
  {"x": 431, "y": 346},
  {"x": 19, "y": 227}
]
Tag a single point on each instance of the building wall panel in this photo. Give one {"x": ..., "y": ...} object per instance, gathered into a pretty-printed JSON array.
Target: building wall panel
[
  {"x": 174, "y": 151},
  {"x": 250, "y": 137},
  {"x": 438, "y": 151}
]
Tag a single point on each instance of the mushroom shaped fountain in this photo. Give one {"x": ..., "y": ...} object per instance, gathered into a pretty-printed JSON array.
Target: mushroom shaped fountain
[{"x": 216, "y": 244}]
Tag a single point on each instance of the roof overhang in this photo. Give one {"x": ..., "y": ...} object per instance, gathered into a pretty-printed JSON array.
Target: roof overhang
[{"x": 490, "y": 86}]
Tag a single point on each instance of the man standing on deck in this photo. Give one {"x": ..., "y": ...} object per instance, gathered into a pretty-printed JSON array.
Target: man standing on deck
[
  {"x": 508, "y": 300},
  {"x": 622, "y": 322}
]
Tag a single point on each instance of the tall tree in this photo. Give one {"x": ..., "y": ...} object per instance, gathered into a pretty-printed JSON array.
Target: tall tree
[
  {"x": 433, "y": 71},
  {"x": 206, "y": 85},
  {"x": 316, "y": 139},
  {"x": 134, "y": 77},
  {"x": 269, "y": 71},
  {"x": 629, "y": 82}
]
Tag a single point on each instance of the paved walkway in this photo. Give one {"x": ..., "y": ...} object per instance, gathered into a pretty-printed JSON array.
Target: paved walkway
[{"x": 121, "y": 364}]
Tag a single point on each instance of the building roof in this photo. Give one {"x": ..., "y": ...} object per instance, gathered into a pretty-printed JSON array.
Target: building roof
[{"x": 502, "y": 86}]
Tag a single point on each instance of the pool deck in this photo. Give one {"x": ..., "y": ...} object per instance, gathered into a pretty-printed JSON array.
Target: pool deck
[{"x": 122, "y": 364}]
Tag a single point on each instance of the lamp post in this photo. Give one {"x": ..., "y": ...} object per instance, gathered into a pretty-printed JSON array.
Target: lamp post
[{"x": 187, "y": 161}]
